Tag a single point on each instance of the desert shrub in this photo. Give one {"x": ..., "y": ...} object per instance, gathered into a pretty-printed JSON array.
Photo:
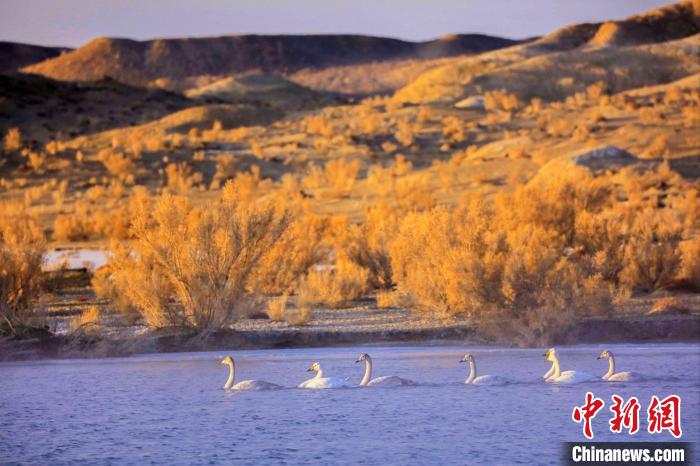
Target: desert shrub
[
  {"x": 87, "y": 321},
  {"x": 689, "y": 252},
  {"x": 245, "y": 188},
  {"x": 501, "y": 100},
  {"x": 338, "y": 176},
  {"x": 367, "y": 244},
  {"x": 334, "y": 287},
  {"x": 298, "y": 249},
  {"x": 651, "y": 255},
  {"x": 117, "y": 164},
  {"x": 182, "y": 177},
  {"x": 404, "y": 134},
  {"x": 193, "y": 267},
  {"x": 469, "y": 263},
  {"x": 13, "y": 140},
  {"x": 37, "y": 161},
  {"x": 298, "y": 316},
  {"x": 22, "y": 249},
  {"x": 276, "y": 308}
]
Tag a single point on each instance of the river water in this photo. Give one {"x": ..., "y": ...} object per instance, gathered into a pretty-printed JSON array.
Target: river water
[{"x": 171, "y": 408}]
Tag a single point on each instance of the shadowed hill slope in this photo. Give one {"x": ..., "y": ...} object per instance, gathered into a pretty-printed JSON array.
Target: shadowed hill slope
[
  {"x": 14, "y": 55},
  {"x": 140, "y": 62}
]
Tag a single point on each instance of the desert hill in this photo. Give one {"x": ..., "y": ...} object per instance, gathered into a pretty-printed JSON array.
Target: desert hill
[
  {"x": 14, "y": 56},
  {"x": 141, "y": 62},
  {"x": 653, "y": 48}
]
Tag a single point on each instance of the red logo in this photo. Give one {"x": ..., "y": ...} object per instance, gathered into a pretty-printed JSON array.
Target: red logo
[
  {"x": 587, "y": 412},
  {"x": 665, "y": 415}
]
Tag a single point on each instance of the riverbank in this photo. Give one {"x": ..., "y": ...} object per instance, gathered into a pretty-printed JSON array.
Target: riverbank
[{"x": 333, "y": 330}]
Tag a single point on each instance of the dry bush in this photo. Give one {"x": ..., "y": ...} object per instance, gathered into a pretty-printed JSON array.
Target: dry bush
[
  {"x": 468, "y": 263},
  {"x": 182, "y": 177},
  {"x": 453, "y": 130},
  {"x": 276, "y": 308},
  {"x": 226, "y": 166},
  {"x": 37, "y": 161},
  {"x": 298, "y": 316},
  {"x": 690, "y": 262},
  {"x": 88, "y": 321},
  {"x": 501, "y": 100},
  {"x": 13, "y": 140},
  {"x": 334, "y": 287},
  {"x": 117, "y": 164},
  {"x": 245, "y": 188},
  {"x": 338, "y": 176},
  {"x": 301, "y": 247},
  {"x": 22, "y": 249},
  {"x": 367, "y": 244},
  {"x": 193, "y": 267},
  {"x": 404, "y": 134},
  {"x": 651, "y": 254}
]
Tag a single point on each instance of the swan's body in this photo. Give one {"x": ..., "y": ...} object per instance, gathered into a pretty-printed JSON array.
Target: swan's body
[
  {"x": 555, "y": 375},
  {"x": 385, "y": 381},
  {"x": 246, "y": 384},
  {"x": 320, "y": 382},
  {"x": 472, "y": 379},
  {"x": 611, "y": 375}
]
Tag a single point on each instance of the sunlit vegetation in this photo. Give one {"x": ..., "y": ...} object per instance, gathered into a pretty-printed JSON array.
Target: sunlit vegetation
[{"x": 501, "y": 211}]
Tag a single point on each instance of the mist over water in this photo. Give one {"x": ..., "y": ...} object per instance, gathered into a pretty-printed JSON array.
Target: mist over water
[{"x": 171, "y": 409}]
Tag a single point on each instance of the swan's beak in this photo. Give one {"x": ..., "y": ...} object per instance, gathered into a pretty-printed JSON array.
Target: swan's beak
[
  {"x": 599, "y": 357},
  {"x": 310, "y": 369},
  {"x": 463, "y": 360},
  {"x": 357, "y": 361}
]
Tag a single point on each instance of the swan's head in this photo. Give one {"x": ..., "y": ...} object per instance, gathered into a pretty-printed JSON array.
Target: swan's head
[
  {"x": 315, "y": 367},
  {"x": 605, "y": 355},
  {"x": 227, "y": 360},
  {"x": 363, "y": 357},
  {"x": 550, "y": 354},
  {"x": 467, "y": 358}
]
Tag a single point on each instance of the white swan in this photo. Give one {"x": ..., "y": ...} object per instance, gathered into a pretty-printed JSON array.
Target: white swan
[
  {"x": 319, "y": 381},
  {"x": 554, "y": 375},
  {"x": 611, "y": 375},
  {"x": 385, "y": 381},
  {"x": 246, "y": 384},
  {"x": 481, "y": 380}
]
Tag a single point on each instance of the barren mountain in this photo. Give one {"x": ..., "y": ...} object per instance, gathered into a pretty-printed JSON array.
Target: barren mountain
[
  {"x": 14, "y": 56},
  {"x": 141, "y": 62}
]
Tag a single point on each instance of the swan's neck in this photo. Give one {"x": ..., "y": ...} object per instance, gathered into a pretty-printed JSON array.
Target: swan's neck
[
  {"x": 231, "y": 373},
  {"x": 472, "y": 372},
  {"x": 368, "y": 372},
  {"x": 319, "y": 374},
  {"x": 611, "y": 368},
  {"x": 555, "y": 366}
]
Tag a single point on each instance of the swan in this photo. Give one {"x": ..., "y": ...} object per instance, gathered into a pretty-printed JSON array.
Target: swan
[
  {"x": 554, "y": 375},
  {"x": 481, "y": 380},
  {"x": 319, "y": 381},
  {"x": 385, "y": 381},
  {"x": 611, "y": 375},
  {"x": 246, "y": 384}
]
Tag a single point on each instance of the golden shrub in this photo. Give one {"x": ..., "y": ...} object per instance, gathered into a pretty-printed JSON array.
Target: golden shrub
[
  {"x": 22, "y": 249},
  {"x": 276, "y": 308},
  {"x": 690, "y": 262},
  {"x": 13, "y": 140},
  {"x": 193, "y": 267},
  {"x": 334, "y": 287}
]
